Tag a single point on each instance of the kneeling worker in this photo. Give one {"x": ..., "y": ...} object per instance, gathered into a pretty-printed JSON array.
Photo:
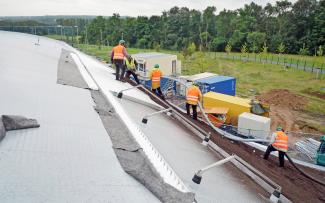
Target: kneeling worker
[
  {"x": 193, "y": 97},
  {"x": 155, "y": 77},
  {"x": 279, "y": 142},
  {"x": 131, "y": 65}
]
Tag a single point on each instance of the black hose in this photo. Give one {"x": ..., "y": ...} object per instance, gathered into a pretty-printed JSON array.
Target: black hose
[{"x": 303, "y": 172}]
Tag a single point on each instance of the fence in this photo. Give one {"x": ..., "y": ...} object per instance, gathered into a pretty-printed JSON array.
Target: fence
[
  {"x": 69, "y": 34},
  {"x": 299, "y": 64}
]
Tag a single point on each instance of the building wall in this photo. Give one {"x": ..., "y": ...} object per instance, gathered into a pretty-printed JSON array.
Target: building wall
[{"x": 165, "y": 64}]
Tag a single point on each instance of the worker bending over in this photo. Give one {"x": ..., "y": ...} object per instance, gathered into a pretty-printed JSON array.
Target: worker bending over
[
  {"x": 279, "y": 142},
  {"x": 131, "y": 64},
  {"x": 193, "y": 97},
  {"x": 117, "y": 58},
  {"x": 155, "y": 77}
]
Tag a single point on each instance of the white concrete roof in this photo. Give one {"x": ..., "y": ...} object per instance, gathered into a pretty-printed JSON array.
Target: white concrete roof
[
  {"x": 71, "y": 154},
  {"x": 69, "y": 158}
]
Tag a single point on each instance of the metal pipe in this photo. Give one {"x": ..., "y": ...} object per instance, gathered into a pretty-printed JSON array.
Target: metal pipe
[
  {"x": 275, "y": 196},
  {"x": 198, "y": 175},
  {"x": 218, "y": 163},
  {"x": 145, "y": 118},
  {"x": 120, "y": 93}
]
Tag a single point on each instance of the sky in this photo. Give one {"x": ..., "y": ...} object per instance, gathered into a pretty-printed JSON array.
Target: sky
[{"x": 108, "y": 7}]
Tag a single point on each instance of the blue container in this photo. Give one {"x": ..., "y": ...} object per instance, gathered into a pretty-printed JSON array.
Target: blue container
[{"x": 219, "y": 84}]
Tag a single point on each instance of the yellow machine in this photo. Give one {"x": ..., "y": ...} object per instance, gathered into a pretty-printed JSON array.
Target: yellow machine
[
  {"x": 236, "y": 106},
  {"x": 217, "y": 115}
]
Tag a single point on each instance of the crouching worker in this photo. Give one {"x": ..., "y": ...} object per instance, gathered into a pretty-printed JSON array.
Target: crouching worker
[
  {"x": 193, "y": 97},
  {"x": 155, "y": 77},
  {"x": 131, "y": 65},
  {"x": 279, "y": 142}
]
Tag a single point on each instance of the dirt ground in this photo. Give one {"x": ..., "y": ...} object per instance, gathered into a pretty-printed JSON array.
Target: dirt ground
[
  {"x": 295, "y": 186},
  {"x": 286, "y": 111}
]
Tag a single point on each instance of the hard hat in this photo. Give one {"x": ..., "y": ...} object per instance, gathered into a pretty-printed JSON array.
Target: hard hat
[
  {"x": 195, "y": 84},
  {"x": 279, "y": 128},
  {"x": 156, "y": 66},
  {"x": 121, "y": 41}
]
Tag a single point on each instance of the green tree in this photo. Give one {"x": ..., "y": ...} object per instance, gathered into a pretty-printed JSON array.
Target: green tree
[
  {"x": 157, "y": 47},
  {"x": 255, "y": 40},
  {"x": 264, "y": 49},
  {"x": 303, "y": 50},
  {"x": 244, "y": 49},
  {"x": 320, "y": 51},
  {"x": 191, "y": 49},
  {"x": 228, "y": 48},
  {"x": 281, "y": 48},
  {"x": 218, "y": 44}
]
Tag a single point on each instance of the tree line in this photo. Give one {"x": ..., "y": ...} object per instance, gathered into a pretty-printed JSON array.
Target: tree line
[{"x": 281, "y": 27}]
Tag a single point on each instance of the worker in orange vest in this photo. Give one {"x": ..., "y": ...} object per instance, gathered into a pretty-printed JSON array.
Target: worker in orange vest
[
  {"x": 155, "y": 77},
  {"x": 193, "y": 97},
  {"x": 279, "y": 142},
  {"x": 117, "y": 58}
]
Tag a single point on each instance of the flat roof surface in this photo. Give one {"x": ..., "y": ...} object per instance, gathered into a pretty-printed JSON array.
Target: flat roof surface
[
  {"x": 215, "y": 79},
  {"x": 228, "y": 98},
  {"x": 70, "y": 157},
  {"x": 199, "y": 76},
  {"x": 152, "y": 55},
  {"x": 185, "y": 153}
]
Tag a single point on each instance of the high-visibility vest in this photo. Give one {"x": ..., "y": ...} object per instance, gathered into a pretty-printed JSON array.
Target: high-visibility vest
[
  {"x": 130, "y": 66},
  {"x": 193, "y": 95},
  {"x": 155, "y": 78},
  {"x": 281, "y": 141},
  {"x": 118, "y": 52}
]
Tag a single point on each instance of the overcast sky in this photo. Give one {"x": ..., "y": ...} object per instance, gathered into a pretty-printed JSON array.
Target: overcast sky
[{"x": 108, "y": 7}]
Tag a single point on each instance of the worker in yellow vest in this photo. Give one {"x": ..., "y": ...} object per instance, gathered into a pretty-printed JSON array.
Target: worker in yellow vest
[
  {"x": 155, "y": 77},
  {"x": 193, "y": 97},
  {"x": 279, "y": 142},
  {"x": 117, "y": 58},
  {"x": 131, "y": 64}
]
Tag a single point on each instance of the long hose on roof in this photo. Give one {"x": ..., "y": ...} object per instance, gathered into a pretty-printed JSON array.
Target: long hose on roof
[{"x": 303, "y": 172}]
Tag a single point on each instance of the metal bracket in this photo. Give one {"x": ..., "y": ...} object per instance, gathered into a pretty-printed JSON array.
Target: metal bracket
[
  {"x": 198, "y": 175},
  {"x": 120, "y": 93},
  {"x": 145, "y": 118}
]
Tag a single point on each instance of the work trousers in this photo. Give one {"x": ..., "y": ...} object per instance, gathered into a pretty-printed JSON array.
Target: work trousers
[
  {"x": 131, "y": 72},
  {"x": 194, "y": 107},
  {"x": 120, "y": 68},
  {"x": 158, "y": 92},
  {"x": 270, "y": 149}
]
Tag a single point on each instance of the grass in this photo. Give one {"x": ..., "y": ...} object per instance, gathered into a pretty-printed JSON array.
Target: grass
[
  {"x": 252, "y": 77},
  {"x": 103, "y": 51},
  {"x": 311, "y": 61}
]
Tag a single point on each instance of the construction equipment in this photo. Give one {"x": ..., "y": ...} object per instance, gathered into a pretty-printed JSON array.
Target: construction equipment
[
  {"x": 236, "y": 106},
  {"x": 217, "y": 115},
  {"x": 308, "y": 147},
  {"x": 320, "y": 156}
]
